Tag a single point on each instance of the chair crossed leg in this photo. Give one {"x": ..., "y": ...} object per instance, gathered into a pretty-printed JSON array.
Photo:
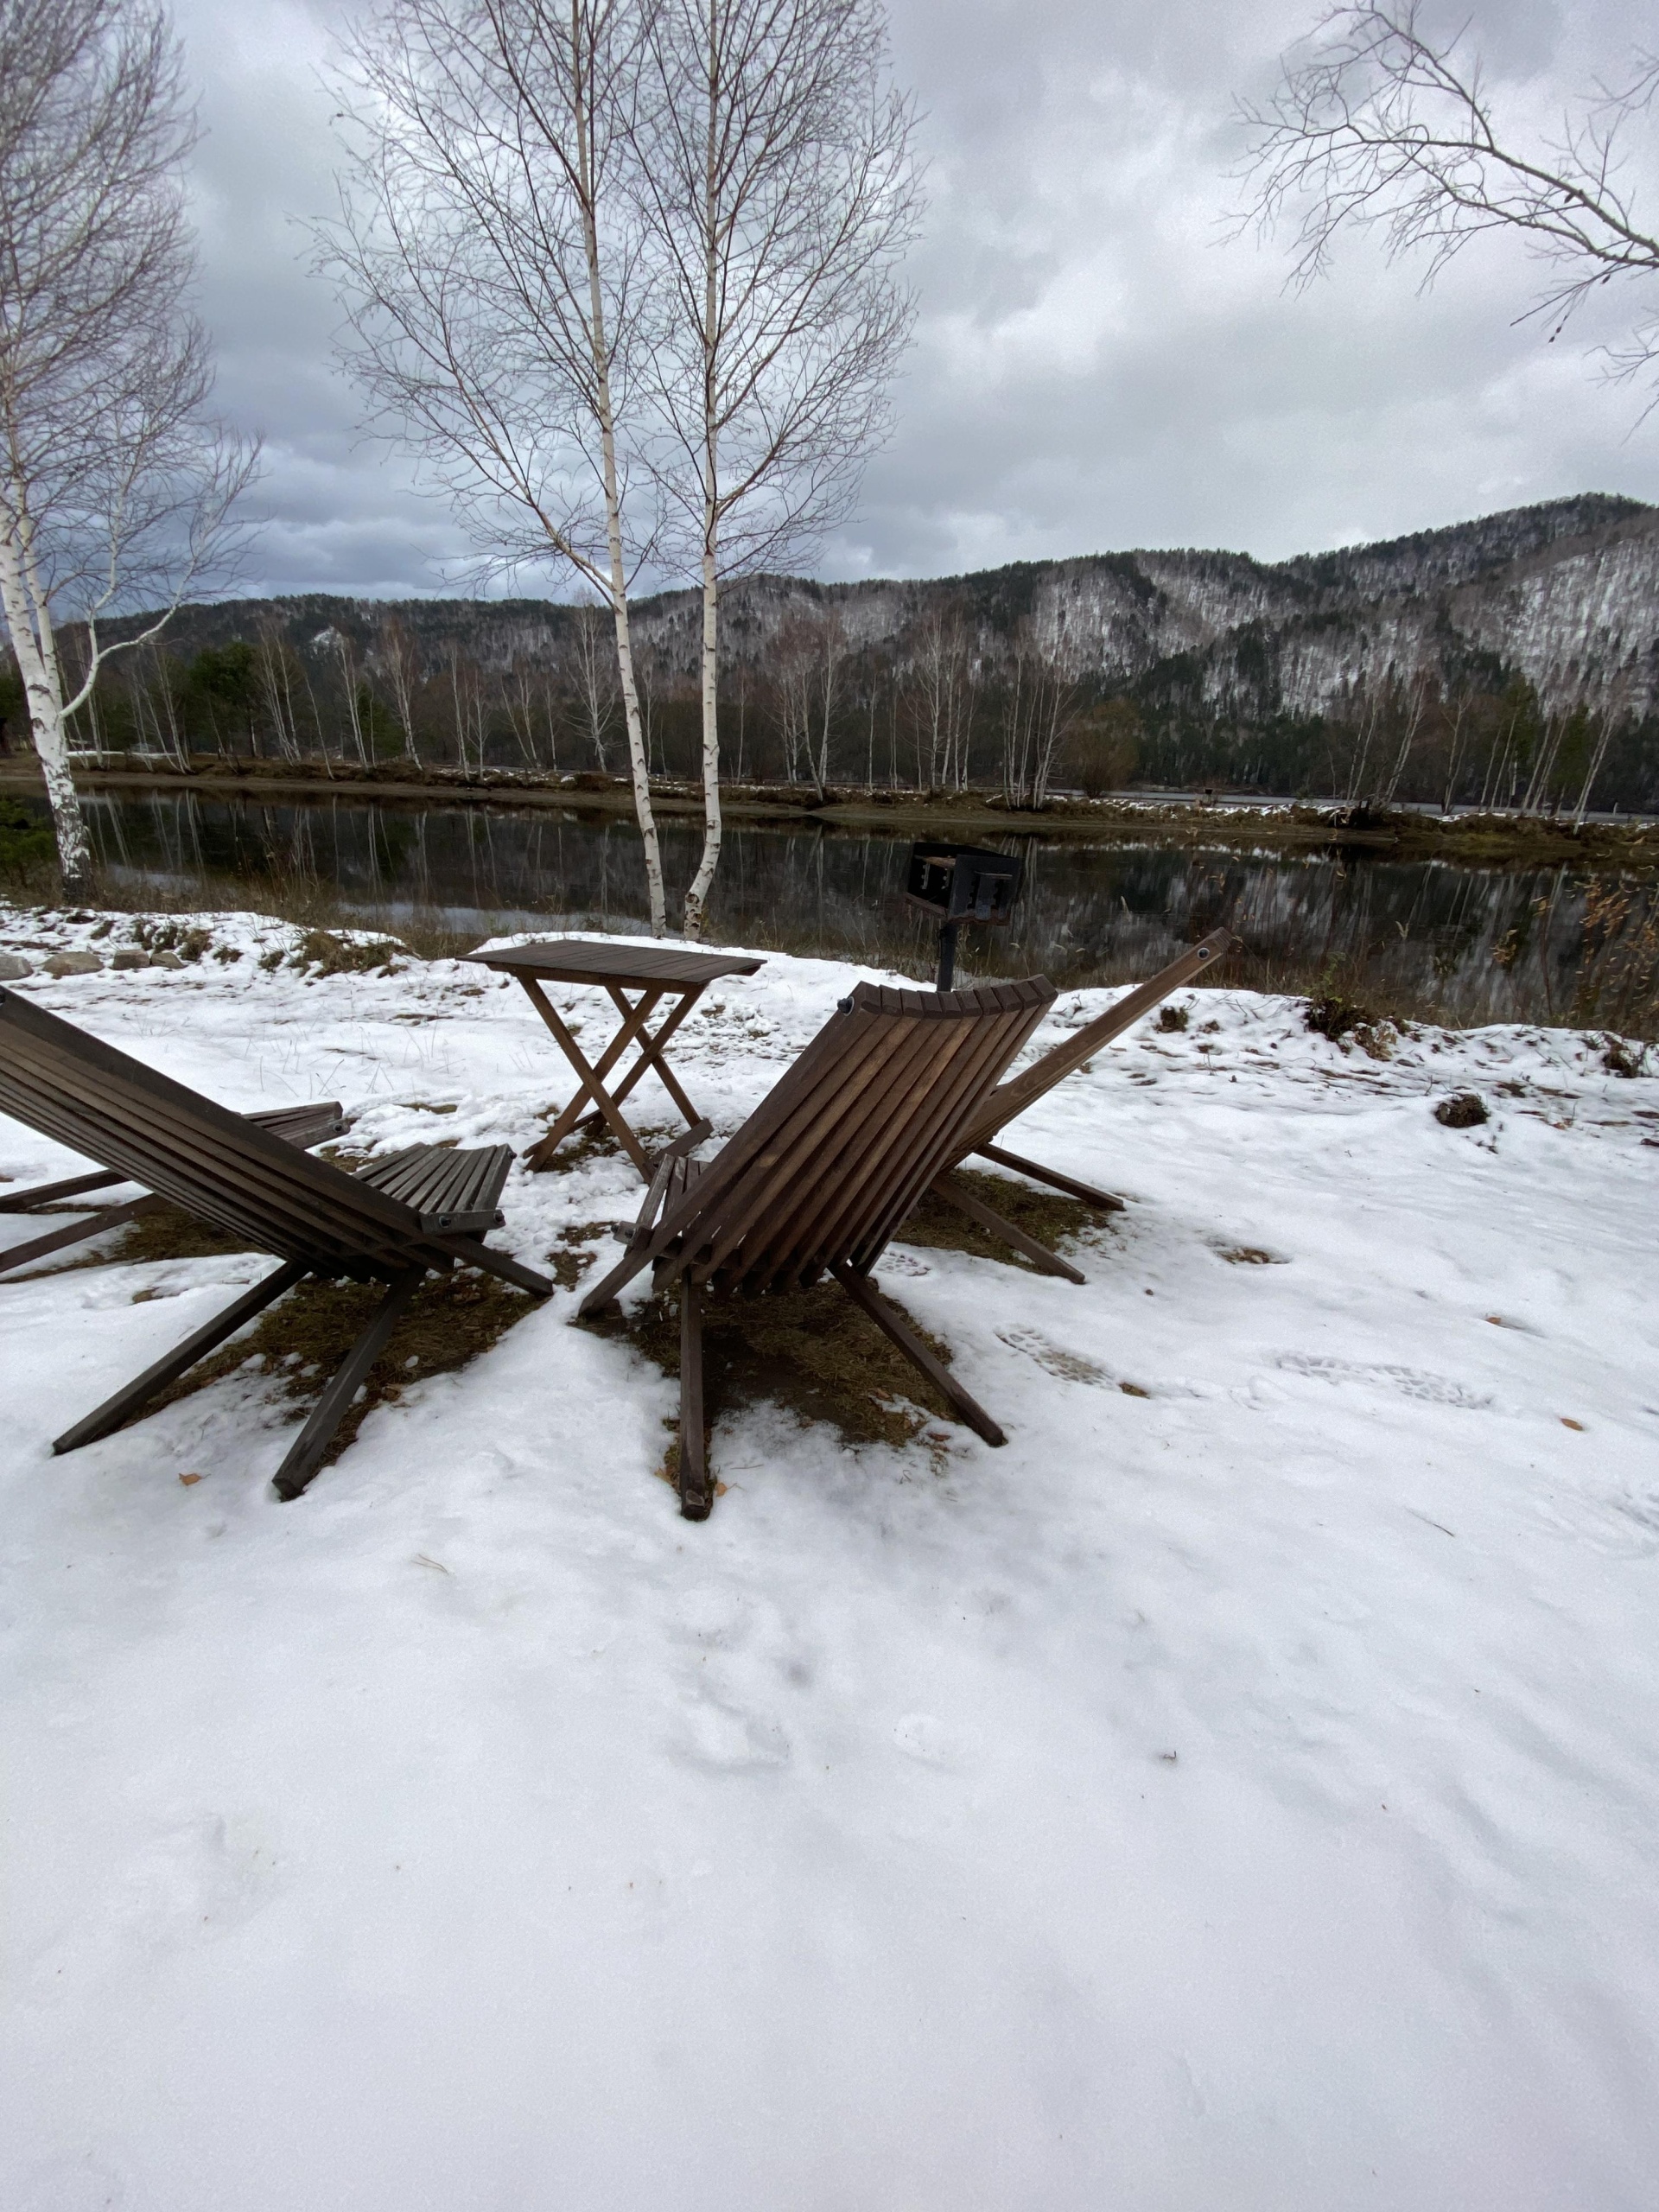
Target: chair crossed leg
[
  {"x": 947, "y": 1188},
  {"x": 674, "y": 1172},
  {"x": 696, "y": 1480},
  {"x": 96, "y": 1223},
  {"x": 305, "y": 1455}
]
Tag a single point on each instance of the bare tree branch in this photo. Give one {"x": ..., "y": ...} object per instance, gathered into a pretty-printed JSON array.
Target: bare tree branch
[{"x": 1376, "y": 125}]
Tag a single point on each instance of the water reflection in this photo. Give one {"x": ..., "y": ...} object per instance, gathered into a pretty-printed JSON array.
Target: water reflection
[{"x": 1476, "y": 944}]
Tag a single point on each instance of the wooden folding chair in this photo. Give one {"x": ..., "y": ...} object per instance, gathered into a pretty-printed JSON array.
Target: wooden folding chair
[
  {"x": 822, "y": 1173},
  {"x": 304, "y": 1126},
  {"x": 1011, "y": 1098},
  {"x": 423, "y": 1209}
]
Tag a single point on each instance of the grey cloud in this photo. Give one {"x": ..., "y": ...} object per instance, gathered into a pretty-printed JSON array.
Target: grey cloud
[{"x": 1096, "y": 366}]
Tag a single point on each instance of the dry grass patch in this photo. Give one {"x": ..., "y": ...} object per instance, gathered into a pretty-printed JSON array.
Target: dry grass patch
[
  {"x": 570, "y": 1259},
  {"x": 325, "y": 954},
  {"x": 591, "y": 1140},
  {"x": 1046, "y": 1214},
  {"x": 303, "y": 1337},
  {"x": 167, "y": 1234},
  {"x": 810, "y": 1352}
]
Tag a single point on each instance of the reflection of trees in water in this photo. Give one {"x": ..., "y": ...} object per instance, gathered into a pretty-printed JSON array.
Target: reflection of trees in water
[{"x": 1482, "y": 944}]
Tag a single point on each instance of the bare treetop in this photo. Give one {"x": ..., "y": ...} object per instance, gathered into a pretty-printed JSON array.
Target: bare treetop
[
  {"x": 492, "y": 276},
  {"x": 103, "y": 398},
  {"x": 1378, "y": 125},
  {"x": 774, "y": 165},
  {"x": 484, "y": 147},
  {"x": 116, "y": 487},
  {"x": 782, "y": 185}
]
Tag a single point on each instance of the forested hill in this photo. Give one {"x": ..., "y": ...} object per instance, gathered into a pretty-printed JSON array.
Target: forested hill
[{"x": 1467, "y": 655}]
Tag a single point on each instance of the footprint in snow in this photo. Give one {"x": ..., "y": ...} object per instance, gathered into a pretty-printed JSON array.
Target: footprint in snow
[
  {"x": 198, "y": 1880},
  {"x": 727, "y": 1740},
  {"x": 708, "y": 1614},
  {"x": 184, "y": 1886},
  {"x": 1053, "y": 1359},
  {"x": 1411, "y": 1382},
  {"x": 930, "y": 1742},
  {"x": 1618, "y": 1524},
  {"x": 893, "y": 1261}
]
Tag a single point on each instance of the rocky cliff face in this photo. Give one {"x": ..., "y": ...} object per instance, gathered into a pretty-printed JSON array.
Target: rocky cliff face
[{"x": 1565, "y": 594}]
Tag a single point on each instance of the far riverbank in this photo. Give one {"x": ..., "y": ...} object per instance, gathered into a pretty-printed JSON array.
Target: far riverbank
[{"x": 1226, "y": 818}]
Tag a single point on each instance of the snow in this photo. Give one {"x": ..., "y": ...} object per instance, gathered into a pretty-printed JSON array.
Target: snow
[{"x": 1239, "y": 1794}]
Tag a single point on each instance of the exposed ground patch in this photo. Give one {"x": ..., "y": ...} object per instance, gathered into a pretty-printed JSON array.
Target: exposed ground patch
[
  {"x": 300, "y": 1342},
  {"x": 1047, "y": 1215},
  {"x": 810, "y": 1352}
]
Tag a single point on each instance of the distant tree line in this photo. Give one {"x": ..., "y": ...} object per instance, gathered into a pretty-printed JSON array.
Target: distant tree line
[{"x": 943, "y": 706}]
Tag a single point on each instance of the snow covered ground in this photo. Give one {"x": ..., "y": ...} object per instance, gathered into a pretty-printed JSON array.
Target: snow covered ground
[{"x": 1240, "y": 1795}]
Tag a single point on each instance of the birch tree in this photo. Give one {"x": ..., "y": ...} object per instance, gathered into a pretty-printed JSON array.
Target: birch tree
[
  {"x": 593, "y": 682},
  {"x": 273, "y": 662},
  {"x": 492, "y": 283},
  {"x": 775, "y": 168},
  {"x": 400, "y": 658},
  {"x": 940, "y": 684},
  {"x": 1039, "y": 709},
  {"x": 116, "y": 488}
]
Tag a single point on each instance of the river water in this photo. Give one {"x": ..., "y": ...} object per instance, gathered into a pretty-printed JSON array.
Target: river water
[{"x": 1424, "y": 938}]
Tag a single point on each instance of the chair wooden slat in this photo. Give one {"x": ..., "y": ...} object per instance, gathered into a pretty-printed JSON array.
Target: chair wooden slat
[
  {"x": 820, "y": 1085},
  {"x": 214, "y": 1162},
  {"x": 868, "y": 1159},
  {"x": 801, "y": 1156},
  {"x": 447, "y": 1189},
  {"x": 931, "y": 1105},
  {"x": 302, "y": 1125},
  {"x": 994, "y": 1051}
]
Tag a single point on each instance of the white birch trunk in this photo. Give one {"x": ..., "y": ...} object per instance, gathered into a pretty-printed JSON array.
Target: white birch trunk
[
  {"x": 696, "y": 898},
  {"x": 639, "y": 766},
  {"x": 1604, "y": 739},
  {"x": 637, "y": 763},
  {"x": 29, "y": 627}
]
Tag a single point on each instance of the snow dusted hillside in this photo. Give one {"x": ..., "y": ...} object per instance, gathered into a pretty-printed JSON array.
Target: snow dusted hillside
[
  {"x": 1237, "y": 1792},
  {"x": 1565, "y": 594}
]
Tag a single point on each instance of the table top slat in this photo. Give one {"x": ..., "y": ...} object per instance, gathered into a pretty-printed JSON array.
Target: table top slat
[{"x": 579, "y": 960}]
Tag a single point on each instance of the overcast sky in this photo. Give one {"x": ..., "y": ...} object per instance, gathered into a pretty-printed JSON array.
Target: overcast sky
[{"x": 1097, "y": 368}]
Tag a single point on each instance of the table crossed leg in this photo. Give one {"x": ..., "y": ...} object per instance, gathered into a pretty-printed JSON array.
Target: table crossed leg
[
  {"x": 651, "y": 1052},
  {"x": 590, "y": 1076}
]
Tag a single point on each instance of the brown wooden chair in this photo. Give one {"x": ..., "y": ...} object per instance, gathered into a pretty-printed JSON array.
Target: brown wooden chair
[
  {"x": 423, "y": 1209},
  {"x": 1009, "y": 1099},
  {"x": 304, "y": 1126},
  {"x": 822, "y": 1173}
]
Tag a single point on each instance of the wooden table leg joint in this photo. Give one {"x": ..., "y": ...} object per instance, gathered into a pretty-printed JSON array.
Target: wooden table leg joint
[{"x": 591, "y": 1092}]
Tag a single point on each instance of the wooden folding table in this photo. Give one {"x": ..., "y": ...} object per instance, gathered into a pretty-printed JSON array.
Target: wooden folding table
[{"x": 655, "y": 972}]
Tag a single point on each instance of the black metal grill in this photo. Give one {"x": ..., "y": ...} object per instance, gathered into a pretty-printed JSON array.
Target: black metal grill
[{"x": 956, "y": 884}]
